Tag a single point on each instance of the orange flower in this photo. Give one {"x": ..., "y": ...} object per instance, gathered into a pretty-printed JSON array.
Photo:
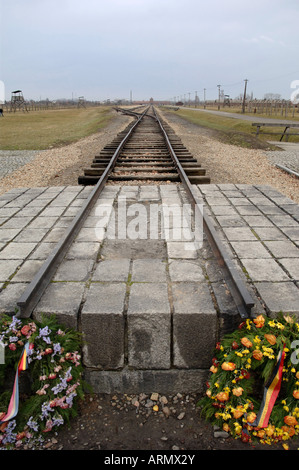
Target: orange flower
[
  {"x": 237, "y": 414},
  {"x": 297, "y": 375},
  {"x": 270, "y": 430},
  {"x": 226, "y": 427},
  {"x": 296, "y": 394},
  {"x": 246, "y": 342},
  {"x": 289, "y": 429},
  {"x": 259, "y": 321},
  {"x": 290, "y": 420},
  {"x": 238, "y": 391},
  {"x": 213, "y": 369},
  {"x": 271, "y": 339},
  {"x": 228, "y": 366},
  {"x": 257, "y": 354},
  {"x": 222, "y": 396},
  {"x": 251, "y": 417}
]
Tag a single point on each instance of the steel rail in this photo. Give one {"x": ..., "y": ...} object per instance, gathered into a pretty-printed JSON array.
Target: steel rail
[
  {"x": 240, "y": 294},
  {"x": 29, "y": 299}
]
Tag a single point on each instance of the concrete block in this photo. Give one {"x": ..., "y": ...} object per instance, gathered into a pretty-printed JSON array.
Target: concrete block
[
  {"x": 185, "y": 270},
  {"x": 239, "y": 233},
  {"x": 7, "y": 268},
  {"x": 16, "y": 250},
  {"x": 103, "y": 325},
  {"x": 264, "y": 270},
  {"x": 112, "y": 270},
  {"x": 31, "y": 235},
  {"x": 291, "y": 266},
  {"x": 182, "y": 250},
  {"x": 194, "y": 325},
  {"x": 149, "y": 270},
  {"x": 27, "y": 271},
  {"x": 62, "y": 299},
  {"x": 253, "y": 249},
  {"x": 83, "y": 250},
  {"x": 74, "y": 270},
  {"x": 149, "y": 338},
  {"x": 10, "y": 296},
  {"x": 279, "y": 296},
  {"x": 149, "y": 326},
  {"x": 283, "y": 249},
  {"x": 8, "y": 234}
]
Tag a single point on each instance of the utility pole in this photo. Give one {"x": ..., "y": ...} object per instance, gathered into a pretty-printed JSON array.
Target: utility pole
[
  {"x": 244, "y": 97},
  {"x": 204, "y": 98},
  {"x": 218, "y": 96},
  {"x": 196, "y": 99}
]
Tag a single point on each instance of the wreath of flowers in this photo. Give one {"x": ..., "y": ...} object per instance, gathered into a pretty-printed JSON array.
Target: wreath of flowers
[
  {"x": 55, "y": 372},
  {"x": 243, "y": 358}
]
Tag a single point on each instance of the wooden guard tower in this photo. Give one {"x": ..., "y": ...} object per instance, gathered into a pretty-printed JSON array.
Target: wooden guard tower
[
  {"x": 81, "y": 102},
  {"x": 17, "y": 101}
]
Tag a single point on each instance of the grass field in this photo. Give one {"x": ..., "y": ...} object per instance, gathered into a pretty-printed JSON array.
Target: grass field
[
  {"x": 231, "y": 130},
  {"x": 40, "y": 130}
]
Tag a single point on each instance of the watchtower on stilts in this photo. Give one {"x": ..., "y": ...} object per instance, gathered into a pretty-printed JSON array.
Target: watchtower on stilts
[
  {"x": 17, "y": 101},
  {"x": 81, "y": 102}
]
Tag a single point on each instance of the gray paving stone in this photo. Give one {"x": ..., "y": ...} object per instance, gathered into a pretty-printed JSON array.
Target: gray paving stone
[
  {"x": 32, "y": 235},
  {"x": 148, "y": 298},
  {"x": 43, "y": 222},
  {"x": 291, "y": 232},
  {"x": 230, "y": 221},
  {"x": 283, "y": 221},
  {"x": 7, "y": 268},
  {"x": 8, "y": 234},
  {"x": 282, "y": 249},
  {"x": 182, "y": 250},
  {"x": 10, "y": 296},
  {"x": 17, "y": 222},
  {"x": 192, "y": 297},
  {"x": 264, "y": 270},
  {"x": 185, "y": 270},
  {"x": 149, "y": 270},
  {"x": 27, "y": 271},
  {"x": 112, "y": 270},
  {"x": 83, "y": 250},
  {"x": 253, "y": 249},
  {"x": 149, "y": 338},
  {"x": 194, "y": 325},
  {"x": 90, "y": 235},
  {"x": 224, "y": 211},
  {"x": 105, "y": 297},
  {"x": 62, "y": 299},
  {"x": 279, "y": 296},
  {"x": 257, "y": 221},
  {"x": 15, "y": 250},
  {"x": 42, "y": 251},
  {"x": 74, "y": 270},
  {"x": 52, "y": 211},
  {"x": 269, "y": 233},
  {"x": 248, "y": 210},
  {"x": 239, "y": 233},
  {"x": 103, "y": 325},
  {"x": 292, "y": 266}
]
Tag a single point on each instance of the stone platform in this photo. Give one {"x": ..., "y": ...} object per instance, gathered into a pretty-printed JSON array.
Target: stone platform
[{"x": 149, "y": 298}]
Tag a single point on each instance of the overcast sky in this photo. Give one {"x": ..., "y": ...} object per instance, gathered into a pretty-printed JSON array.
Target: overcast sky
[{"x": 163, "y": 49}]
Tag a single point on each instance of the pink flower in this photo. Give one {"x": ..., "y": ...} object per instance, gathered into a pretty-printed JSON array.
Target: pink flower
[{"x": 12, "y": 346}]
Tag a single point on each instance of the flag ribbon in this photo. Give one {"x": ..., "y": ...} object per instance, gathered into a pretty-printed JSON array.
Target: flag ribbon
[
  {"x": 13, "y": 406},
  {"x": 271, "y": 391}
]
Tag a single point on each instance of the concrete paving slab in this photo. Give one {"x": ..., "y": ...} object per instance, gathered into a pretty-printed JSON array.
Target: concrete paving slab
[{"x": 112, "y": 270}]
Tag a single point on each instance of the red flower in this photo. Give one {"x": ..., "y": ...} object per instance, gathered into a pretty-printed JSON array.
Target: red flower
[
  {"x": 12, "y": 346},
  {"x": 25, "y": 330}
]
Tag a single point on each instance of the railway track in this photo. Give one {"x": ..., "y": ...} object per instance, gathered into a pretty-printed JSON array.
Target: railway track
[
  {"x": 145, "y": 156},
  {"x": 146, "y": 151}
]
